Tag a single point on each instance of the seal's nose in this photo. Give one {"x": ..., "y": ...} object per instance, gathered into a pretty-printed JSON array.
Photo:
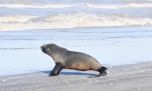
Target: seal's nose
[{"x": 43, "y": 49}]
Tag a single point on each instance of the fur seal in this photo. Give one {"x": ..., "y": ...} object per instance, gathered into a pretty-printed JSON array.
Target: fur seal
[{"x": 66, "y": 59}]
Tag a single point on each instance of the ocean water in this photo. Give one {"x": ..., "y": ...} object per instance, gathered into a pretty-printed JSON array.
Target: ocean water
[
  {"x": 115, "y": 32},
  {"x": 20, "y": 50},
  {"x": 62, "y": 14}
]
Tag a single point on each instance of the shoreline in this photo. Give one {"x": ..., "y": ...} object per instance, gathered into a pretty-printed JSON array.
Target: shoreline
[
  {"x": 131, "y": 77},
  {"x": 64, "y": 71}
]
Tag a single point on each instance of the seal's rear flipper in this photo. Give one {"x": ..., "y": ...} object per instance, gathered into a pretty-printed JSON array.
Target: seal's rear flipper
[{"x": 102, "y": 71}]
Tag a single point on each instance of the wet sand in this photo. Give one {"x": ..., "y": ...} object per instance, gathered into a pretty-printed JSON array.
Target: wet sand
[{"x": 134, "y": 77}]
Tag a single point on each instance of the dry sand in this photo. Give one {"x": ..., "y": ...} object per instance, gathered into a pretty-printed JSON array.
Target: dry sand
[{"x": 135, "y": 77}]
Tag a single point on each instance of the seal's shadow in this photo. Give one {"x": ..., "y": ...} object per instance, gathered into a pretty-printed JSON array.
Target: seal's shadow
[{"x": 71, "y": 73}]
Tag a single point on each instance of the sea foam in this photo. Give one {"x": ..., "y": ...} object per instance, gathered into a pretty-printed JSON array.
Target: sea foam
[{"x": 63, "y": 21}]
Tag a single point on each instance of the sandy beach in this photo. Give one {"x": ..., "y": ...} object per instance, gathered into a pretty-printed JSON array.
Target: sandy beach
[{"x": 134, "y": 77}]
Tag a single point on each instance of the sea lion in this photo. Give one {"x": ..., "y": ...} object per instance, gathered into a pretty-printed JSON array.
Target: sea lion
[{"x": 67, "y": 59}]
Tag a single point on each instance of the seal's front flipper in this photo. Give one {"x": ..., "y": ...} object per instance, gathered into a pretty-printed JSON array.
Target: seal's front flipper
[{"x": 56, "y": 70}]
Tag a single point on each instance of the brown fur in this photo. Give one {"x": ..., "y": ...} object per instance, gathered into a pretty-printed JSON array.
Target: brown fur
[{"x": 70, "y": 59}]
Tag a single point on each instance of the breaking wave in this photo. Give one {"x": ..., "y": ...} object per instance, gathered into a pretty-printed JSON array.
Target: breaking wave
[
  {"x": 70, "y": 21},
  {"x": 73, "y": 14},
  {"x": 87, "y": 5},
  {"x": 120, "y": 6},
  {"x": 36, "y": 6}
]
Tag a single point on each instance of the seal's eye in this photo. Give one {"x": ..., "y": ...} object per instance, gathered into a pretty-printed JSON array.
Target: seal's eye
[{"x": 48, "y": 49}]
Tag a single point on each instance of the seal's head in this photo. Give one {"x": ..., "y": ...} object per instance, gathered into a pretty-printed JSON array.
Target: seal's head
[{"x": 47, "y": 48}]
